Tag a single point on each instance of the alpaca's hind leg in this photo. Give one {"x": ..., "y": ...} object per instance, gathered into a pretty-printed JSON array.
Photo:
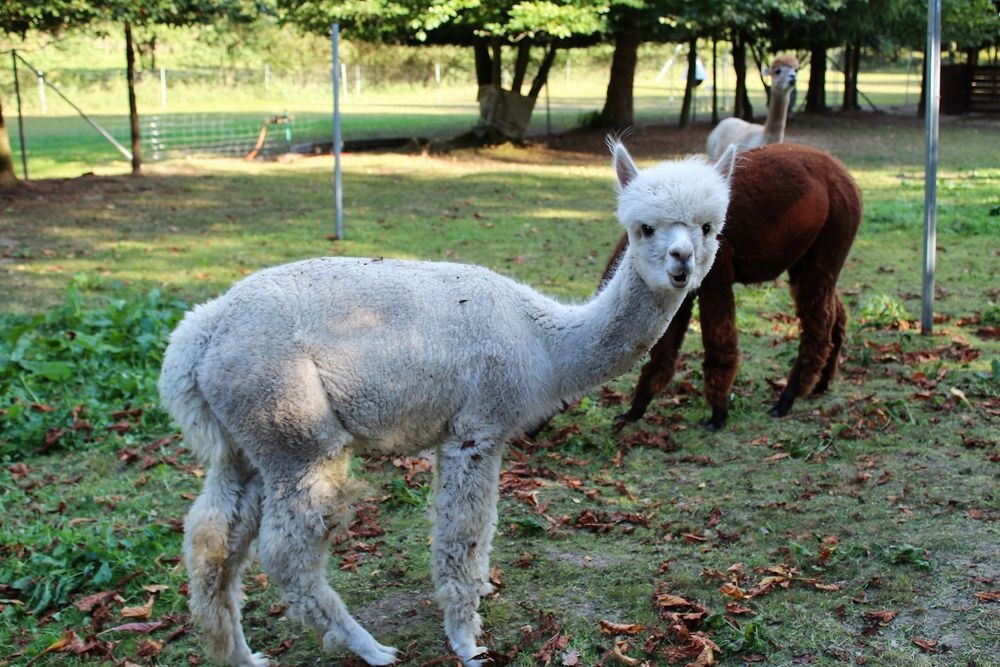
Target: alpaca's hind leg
[
  {"x": 722, "y": 352},
  {"x": 659, "y": 370},
  {"x": 816, "y": 308},
  {"x": 837, "y": 342},
  {"x": 218, "y": 532},
  {"x": 467, "y": 483},
  {"x": 299, "y": 501}
]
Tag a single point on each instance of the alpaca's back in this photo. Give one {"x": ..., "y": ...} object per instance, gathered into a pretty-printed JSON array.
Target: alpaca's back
[
  {"x": 784, "y": 196},
  {"x": 734, "y": 131},
  {"x": 396, "y": 348}
]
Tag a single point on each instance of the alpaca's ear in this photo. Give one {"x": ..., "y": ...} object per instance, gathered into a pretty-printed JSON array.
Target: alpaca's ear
[
  {"x": 766, "y": 71},
  {"x": 625, "y": 168},
  {"x": 727, "y": 163}
]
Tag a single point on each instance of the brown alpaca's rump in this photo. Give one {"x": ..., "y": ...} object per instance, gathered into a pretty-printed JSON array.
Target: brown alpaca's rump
[{"x": 794, "y": 208}]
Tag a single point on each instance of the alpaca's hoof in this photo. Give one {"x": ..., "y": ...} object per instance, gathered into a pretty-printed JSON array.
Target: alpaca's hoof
[
  {"x": 712, "y": 425},
  {"x": 479, "y": 657},
  {"x": 626, "y": 418},
  {"x": 717, "y": 421},
  {"x": 255, "y": 660},
  {"x": 779, "y": 410},
  {"x": 381, "y": 656}
]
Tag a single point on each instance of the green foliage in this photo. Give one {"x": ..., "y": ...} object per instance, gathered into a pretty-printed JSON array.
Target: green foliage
[
  {"x": 51, "y": 565},
  {"x": 882, "y": 311},
  {"x": 750, "y": 637},
  {"x": 69, "y": 374},
  {"x": 403, "y": 495}
]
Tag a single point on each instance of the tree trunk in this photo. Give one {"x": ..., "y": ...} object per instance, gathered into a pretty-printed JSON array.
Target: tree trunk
[
  {"x": 483, "y": 63},
  {"x": 133, "y": 111},
  {"x": 619, "y": 108},
  {"x": 816, "y": 95},
  {"x": 685, "y": 118},
  {"x": 741, "y": 103},
  {"x": 8, "y": 179},
  {"x": 504, "y": 115},
  {"x": 852, "y": 57},
  {"x": 715, "y": 84}
]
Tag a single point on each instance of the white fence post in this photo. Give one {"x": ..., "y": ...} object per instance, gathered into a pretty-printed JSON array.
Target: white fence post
[
  {"x": 163, "y": 87},
  {"x": 357, "y": 81},
  {"x": 41, "y": 91}
]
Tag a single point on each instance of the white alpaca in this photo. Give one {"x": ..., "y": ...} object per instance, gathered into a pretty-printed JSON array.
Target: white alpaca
[
  {"x": 276, "y": 382},
  {"x": 736, "y": 131}
]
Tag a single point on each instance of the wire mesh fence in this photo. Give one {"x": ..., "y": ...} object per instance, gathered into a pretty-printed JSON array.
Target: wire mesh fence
[{"x": 266, "y": 111}]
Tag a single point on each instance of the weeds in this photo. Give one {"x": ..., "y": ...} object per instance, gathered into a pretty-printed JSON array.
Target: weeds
[{"x": 70, "y": 376}]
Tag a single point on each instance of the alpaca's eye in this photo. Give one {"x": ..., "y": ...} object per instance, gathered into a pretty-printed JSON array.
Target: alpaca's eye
[
  {"x": 647, "y": 231},
  {"x": 706, "y": 229}
]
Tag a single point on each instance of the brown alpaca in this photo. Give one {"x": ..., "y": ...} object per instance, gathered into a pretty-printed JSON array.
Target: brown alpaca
[{"x": 795, "y": 209}]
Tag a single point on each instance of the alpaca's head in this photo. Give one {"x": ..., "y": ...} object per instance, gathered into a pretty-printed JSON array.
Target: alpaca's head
[
  {"x": 673, "y": 213},
  {"x": 783, "y": 71}
]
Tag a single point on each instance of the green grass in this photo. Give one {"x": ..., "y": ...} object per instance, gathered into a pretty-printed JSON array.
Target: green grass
[{"x": 878, "y": 497}]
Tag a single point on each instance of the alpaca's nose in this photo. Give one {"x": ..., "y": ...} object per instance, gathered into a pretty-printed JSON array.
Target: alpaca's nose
[{"x": 682, "y": 255}]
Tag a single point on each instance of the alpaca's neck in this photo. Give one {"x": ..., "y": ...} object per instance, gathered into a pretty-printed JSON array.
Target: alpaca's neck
[
  {"x": 777, "y": 112},
  {"x": 594, "y": 342}
]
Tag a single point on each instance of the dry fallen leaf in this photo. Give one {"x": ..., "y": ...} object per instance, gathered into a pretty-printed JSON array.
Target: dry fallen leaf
[
  {"x": 609, "y": 628},
  {"x": 988, "y": 596},
  {"x": 142, "y": 612}
]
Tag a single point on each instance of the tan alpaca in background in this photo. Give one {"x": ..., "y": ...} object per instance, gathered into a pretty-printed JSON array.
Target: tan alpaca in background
[{"x": 783, "y": 72}]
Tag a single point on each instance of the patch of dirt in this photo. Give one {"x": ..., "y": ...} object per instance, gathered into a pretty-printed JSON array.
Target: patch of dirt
[
  {"x": 594, "y": 561},
  {"x": 396, "y": 614}
]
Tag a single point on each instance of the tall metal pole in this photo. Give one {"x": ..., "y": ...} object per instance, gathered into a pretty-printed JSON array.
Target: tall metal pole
[
  {"x": 338, "y": 185},
  {"x": 930, "y": 170},
  {"x": 20, "y": 117}
]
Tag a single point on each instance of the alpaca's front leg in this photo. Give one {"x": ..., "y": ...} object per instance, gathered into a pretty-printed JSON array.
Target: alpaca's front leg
[{"x": 468, "y": 474}]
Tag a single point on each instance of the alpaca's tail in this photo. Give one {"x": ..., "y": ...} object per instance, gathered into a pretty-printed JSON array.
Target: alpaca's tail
[{"x": 178, "y": 383}]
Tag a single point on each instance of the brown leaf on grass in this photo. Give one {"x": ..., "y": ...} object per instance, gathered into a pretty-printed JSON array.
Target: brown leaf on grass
[
  {"x": 988, "y": 596},
  {"x": 555, "y": 644},
  {"x": 737, "y": 609},
  {"x": 496, "y": 577},
  {"x": 882, "y": 617},
  {"x": 610, "y": 628},
  {"x": 657, "y": 440},
  {"x": 668, "y": 600},
  {"x": 926, "y": 645},
  {"x": 69, "y": 642},
  {"x": 281, "y": 648},
  {"x": 733, "y": 591},
  {"x": 776, "y": 457},
  {"x": 86, "y": 604},
  {"x": 148, "y": 648},
  {"x": 141, "y": 612},
  {"x": 143, "y": 628},
  {"x": 819, "y": 585},
  {"x": 53, "y": 435},
  {"x": 120, "y": 427},
  {"x": 618, "y": 653},
  {"x": 691, "y": 537}
]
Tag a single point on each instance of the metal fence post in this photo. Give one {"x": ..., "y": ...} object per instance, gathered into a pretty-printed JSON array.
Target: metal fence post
[
  {"x": 930, "y": 168},
  {"x": 338, "y": 185},
  {"x": 20, "y": 116}
]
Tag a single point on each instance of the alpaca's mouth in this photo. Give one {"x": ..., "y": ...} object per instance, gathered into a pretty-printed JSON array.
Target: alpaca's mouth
[{"x": 679, "y": 279}]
